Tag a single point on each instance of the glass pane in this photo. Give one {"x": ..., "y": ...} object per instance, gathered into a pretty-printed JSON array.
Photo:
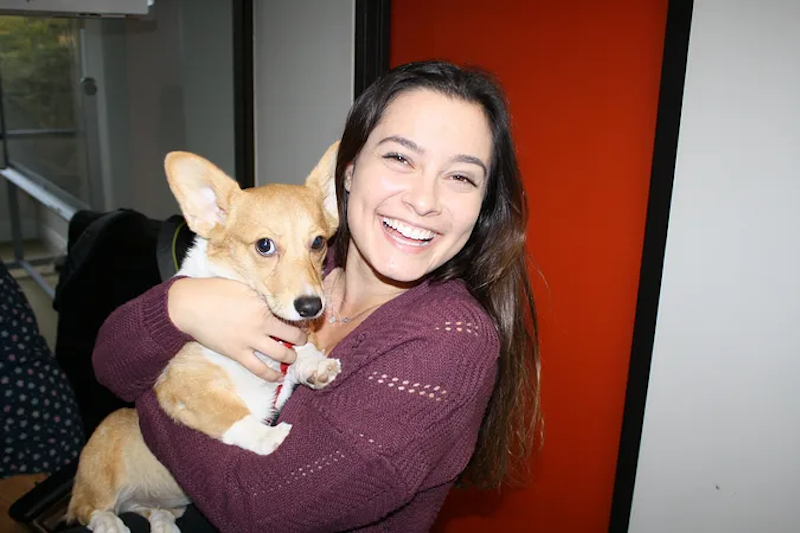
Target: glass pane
[
  {"x": 165, "y": 82},
  {"x": 39, "y": 68},
  {"x": 159, "y": 83}
]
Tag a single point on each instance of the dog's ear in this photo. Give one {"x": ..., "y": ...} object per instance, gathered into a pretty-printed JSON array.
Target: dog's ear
[
  {"x": 323, "y": 180},
  {"x": 203, "y": 191}
]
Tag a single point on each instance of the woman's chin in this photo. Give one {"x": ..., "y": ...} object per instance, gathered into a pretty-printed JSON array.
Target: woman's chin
[
  {"x": 397, "y": 267},
  {"x": 402, "y": 273}
]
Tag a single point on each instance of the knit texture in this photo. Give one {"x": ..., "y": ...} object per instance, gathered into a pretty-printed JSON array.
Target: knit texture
[{"x": 376, "y": 450}]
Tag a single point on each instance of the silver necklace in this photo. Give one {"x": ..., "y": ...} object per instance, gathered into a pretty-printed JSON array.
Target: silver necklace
[{"x": 345, "y": 319}]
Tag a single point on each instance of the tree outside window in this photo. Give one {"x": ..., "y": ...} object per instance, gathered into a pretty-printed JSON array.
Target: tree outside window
[{"x": 38, "y": 70}]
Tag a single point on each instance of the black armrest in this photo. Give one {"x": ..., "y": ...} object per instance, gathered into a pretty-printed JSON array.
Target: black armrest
[{"x": 45, "y": 496}]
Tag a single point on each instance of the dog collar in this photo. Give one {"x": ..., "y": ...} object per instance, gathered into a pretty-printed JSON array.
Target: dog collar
[{"x": 284, "y": 366}]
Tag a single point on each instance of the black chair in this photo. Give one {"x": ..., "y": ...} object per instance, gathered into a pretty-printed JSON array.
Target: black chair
[{"x": 111, "y": 258}]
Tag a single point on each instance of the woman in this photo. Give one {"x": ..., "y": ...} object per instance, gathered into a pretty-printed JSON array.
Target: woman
[{"x": 430, "y": 312}]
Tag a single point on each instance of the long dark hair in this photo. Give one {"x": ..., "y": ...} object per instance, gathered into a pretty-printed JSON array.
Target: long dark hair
[{"x": 493, "y": 263}]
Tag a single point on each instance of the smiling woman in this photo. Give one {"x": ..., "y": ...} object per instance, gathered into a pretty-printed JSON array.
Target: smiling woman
[{"x": 468, "y": 110}]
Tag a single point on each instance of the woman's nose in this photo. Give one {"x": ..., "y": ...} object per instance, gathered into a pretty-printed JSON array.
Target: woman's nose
[{"x": 423, "y": 196}]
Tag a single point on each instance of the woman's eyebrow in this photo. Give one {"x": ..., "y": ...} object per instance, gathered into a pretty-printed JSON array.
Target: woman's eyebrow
[
  {"x": 464, "y": 158},
  {"x": 408, "y": 143},
  {"x": 458, "y": 158}
]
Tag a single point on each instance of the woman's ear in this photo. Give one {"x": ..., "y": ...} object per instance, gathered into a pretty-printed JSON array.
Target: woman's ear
[{"x": 348, "y": 177}]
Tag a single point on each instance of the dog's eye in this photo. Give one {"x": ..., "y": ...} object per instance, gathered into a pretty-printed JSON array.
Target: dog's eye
[
  {"x": 265, "y": 247},
  {"x": 319, "y": 243}
]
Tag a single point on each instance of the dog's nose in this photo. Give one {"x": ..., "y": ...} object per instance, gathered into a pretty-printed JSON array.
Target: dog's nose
[{"x": 308, "y": 306}]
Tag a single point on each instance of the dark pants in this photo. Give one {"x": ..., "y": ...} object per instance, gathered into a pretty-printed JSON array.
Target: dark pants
[{"x": 191, "y": 522}]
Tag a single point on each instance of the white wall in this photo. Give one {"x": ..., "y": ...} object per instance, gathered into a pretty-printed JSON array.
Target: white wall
[
  {"x": 721, "y": 439},
  {"x": 170, "y": 86},
  {"x": 207, "y": 68},
  {"x": 304, "y": 57},
  {"x": 165, "y": 83}
]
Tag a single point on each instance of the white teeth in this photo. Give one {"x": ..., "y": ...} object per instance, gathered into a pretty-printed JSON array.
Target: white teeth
[{"x": 409, "y": 232}]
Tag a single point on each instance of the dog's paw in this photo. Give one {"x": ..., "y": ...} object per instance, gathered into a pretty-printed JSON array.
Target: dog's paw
[
  {"x": 250, "y": 434},
  {"x": 325, "y": 372},
  {"x": 312, "y": 368},
  {"x": 162, "y": 521},
  {"x": 106, "y": 522},
  {"x": 270, "y": 439},
  {"x": 163, "y": 527}
]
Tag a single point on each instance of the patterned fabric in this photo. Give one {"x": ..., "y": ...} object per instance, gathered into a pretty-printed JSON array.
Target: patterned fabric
[{"x": 41, "y": 426}]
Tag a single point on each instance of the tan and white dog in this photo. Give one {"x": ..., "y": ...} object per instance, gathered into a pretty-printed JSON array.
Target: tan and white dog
[{"x": 272, "y": 238}]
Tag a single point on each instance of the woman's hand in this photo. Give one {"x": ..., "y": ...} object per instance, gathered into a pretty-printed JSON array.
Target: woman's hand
[{"x": 230, "y": 318}]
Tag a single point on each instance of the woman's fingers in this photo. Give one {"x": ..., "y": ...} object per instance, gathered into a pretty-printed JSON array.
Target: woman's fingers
[
  {"x": 275, "y": 350},
  {"x": 280, "y": 330},
  {"x": 230, "y": 318},
  {"x": 268, "y": 347},
  {"x": 251, "y": 362}
]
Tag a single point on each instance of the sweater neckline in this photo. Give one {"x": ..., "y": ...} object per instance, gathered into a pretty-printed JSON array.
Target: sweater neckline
[
  {"x": 397, "y": 306},
  {"x": 402, "y": 303}
]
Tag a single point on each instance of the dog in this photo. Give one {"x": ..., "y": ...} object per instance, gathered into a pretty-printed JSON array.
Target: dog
[{"x": 272, "y": 238}]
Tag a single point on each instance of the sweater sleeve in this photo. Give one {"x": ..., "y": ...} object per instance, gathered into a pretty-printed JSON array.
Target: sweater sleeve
[
  {"x": 394, "y": 433},
  {"x": 135, "y": 343}
]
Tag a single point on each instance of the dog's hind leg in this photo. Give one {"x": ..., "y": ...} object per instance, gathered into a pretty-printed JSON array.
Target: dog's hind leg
[
  {"x": 116, "y": 471},
  {"x": 198, "y": 393},
  {"x": 106, "y": 522},
  {"x": 93, "y": 507},
  {"x": 100, "y": 475},
  {"x": 218, "y": 412},
  {"x": 162, "y": 520}
]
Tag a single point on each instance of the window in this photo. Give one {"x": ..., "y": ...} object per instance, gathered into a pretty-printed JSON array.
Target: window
[
  {"x": 39, "y": 72},
  {"x": 91, "y": 106}
]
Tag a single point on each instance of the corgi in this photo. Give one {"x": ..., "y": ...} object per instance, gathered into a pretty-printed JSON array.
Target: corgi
[{"x": 272, "y": 238}]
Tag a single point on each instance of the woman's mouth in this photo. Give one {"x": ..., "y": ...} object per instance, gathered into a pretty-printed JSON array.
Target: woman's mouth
[{"x": 406, "y": 233}]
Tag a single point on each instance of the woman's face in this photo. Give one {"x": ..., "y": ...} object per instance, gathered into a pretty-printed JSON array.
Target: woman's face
[{"x": 417, "y": 185}]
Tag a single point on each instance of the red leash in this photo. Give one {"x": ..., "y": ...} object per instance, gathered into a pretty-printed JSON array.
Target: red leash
[{"x": 284, "y": 367}]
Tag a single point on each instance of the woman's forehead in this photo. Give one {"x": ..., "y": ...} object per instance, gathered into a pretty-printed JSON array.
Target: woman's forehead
[{"x": 434, "y": 121}]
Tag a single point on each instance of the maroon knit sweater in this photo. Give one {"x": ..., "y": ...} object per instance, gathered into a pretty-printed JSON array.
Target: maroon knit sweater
[{"x": 377, "y": 450}]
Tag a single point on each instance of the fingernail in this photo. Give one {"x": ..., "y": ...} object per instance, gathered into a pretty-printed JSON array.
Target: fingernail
[{"x": 273, "y": 376}]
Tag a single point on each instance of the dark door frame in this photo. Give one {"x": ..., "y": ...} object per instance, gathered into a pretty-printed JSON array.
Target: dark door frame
[
  {"x": 668, "y": 118},
  {"x": 243, "y": 97},
  {"x": 373, "y": 19}
]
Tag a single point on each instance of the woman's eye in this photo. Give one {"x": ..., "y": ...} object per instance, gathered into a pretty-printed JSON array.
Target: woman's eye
[
  {"x": 318, "y": 244},
  {"x": 265, "y": 247},
  {"x": 464, "y": 179},
  {"x": 396, "y": 157}
]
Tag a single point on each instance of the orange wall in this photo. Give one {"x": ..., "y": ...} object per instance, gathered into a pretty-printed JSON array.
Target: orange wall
[{"x": 582, "y": 77}]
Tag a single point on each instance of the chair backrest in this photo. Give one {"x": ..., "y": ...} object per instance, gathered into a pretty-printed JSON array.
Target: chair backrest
[{"x": 111, "y": 258}]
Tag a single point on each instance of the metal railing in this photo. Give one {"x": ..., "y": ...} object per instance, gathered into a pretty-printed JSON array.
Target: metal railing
[
  {"x": 50, "y": 197},
  {"x": 18, "y": 178},
  {"x": 31, "y": 133}
]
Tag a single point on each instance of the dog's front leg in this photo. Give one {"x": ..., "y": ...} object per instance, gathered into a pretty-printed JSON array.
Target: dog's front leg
[
  {"x": 198, "y": 393},
  {"x": 312, "y": 368}
]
